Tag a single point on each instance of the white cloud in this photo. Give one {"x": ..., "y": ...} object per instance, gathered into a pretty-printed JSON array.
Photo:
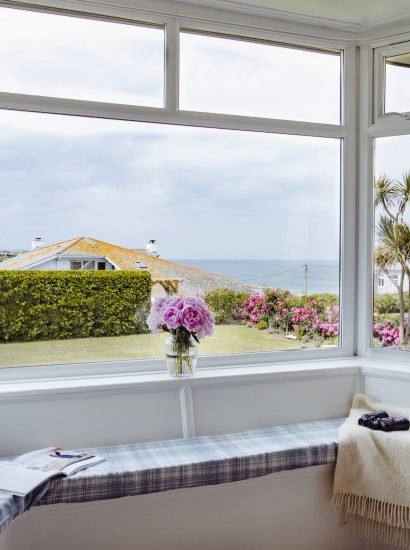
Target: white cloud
[{"x": 201, "y": 193}]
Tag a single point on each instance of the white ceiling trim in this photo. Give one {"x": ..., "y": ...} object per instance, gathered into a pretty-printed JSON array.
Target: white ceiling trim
[
  {"x": 404, "y": 19},
  {"x": 285, "y": 15}
]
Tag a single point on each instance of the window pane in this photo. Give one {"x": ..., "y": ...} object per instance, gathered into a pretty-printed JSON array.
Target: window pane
[
  {"x": 392, "y": 244},
  {"x": 236, "y": 77},
  {"x": 398, "y": 84},
  {"x": 76, "y": 58},
  {"x": 226, "y": 209}
]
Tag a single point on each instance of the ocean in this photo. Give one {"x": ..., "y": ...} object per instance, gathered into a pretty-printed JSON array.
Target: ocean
[{"x": 294, "y": 275}]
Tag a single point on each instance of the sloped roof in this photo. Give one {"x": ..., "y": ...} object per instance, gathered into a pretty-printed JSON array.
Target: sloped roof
[
  {"x": 194, "y": 280},
  {"x": 38, "y": 255}
]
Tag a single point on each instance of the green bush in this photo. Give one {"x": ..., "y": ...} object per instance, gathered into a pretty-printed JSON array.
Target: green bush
[
  {"x": 387, "y": 303},
  {"x": 55, "y": 305},
  {"x": 261, "y": 325},
  {"x": 226, "y": 304},
  {"x": 393, "y": 317}
]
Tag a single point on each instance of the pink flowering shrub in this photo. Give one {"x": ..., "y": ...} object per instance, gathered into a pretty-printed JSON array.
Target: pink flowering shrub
[
  {"x": 330, "y": 327},
  {"x": 255, "y": 309},
  {"x": 387, "y": 332},
  {"x": 308, "y": 316},
  {"x": 175, "y": 314}
]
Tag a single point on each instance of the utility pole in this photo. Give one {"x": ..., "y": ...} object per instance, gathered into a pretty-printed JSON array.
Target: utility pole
[{"x": 306, "y": 278}]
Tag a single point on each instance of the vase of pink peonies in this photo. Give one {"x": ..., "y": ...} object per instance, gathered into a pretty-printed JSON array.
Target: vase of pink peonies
[{"x": 187, "y": 320}]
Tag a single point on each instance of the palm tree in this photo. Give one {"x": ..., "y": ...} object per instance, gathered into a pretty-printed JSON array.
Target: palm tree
[{"x": 393, "y": 236}]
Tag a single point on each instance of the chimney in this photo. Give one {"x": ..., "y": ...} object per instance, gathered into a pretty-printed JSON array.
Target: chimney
[
  {"x": 152, "y": 248},
  {"x": 37, "y": 243}
]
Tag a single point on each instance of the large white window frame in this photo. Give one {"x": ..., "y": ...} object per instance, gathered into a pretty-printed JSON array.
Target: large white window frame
[
  {"x": 170, "y": 114},
  {"x": 374, "y": 123}
]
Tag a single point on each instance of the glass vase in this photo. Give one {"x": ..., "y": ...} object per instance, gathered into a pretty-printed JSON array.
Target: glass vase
[{"x": 181, "y": 357}]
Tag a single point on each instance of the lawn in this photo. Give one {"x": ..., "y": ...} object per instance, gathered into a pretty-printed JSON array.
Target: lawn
[{"x": 226, "y": 339}]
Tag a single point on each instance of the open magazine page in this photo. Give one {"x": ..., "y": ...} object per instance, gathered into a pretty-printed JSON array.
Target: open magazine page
[
  {"x": 19, "y": 481},
  {"x": 48, "y": 460},
  {"x": 30, "y": 470}
]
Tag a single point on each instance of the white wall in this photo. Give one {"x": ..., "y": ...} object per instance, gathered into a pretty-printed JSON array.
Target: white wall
[
  {"x": 62, "y": 264},
  {"x": 388, "y": 387},
  {"x": 81, "y": 416},
  {"x": 388, "y": 287},
  {"x": 206, "y": 404},
  {"x": 50, "y": 265}
]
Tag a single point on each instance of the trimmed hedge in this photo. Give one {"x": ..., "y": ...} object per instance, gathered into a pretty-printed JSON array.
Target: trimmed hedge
[
  {"x": 226, "y": 304},
  {"x": 55, "y": 305},
  {"x": 387, "y": 303}
]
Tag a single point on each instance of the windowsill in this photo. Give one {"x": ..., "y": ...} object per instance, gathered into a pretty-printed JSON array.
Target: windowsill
[
  {"x": 151, "y": 381},
  {"x": 111, "y": 382}
]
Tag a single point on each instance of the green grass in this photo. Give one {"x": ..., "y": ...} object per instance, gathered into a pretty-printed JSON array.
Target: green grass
[{"x": 226, "y": 339}]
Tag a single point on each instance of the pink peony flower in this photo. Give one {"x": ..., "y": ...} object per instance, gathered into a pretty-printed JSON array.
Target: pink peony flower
[
  {"x": 192, "y": 318},
  {"x": 175, "y": 312},
  {"x": 172, "y": 317}
]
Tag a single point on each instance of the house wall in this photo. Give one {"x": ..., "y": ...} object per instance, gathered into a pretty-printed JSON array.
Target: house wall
[
  {"x": 388, "y": 287},
  {"x": 50, "y": 265},
  {"x": 62, "y": 264}
]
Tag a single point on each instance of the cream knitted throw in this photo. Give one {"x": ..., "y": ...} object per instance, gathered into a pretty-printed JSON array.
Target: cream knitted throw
[{"x": 372, "y": 477}]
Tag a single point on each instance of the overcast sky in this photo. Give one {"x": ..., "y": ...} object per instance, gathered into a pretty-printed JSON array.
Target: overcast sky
[{"x": 201, "y": 193}]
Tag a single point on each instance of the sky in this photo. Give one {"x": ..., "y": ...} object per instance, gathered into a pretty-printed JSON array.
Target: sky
[
  {"x": 201, "y": 193},
  {"x": 392, "y": 159},
  {"x": 392, "y": 156}
]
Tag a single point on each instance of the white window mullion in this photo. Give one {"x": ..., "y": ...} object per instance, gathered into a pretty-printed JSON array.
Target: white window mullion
[
  {"x": 172, "y": 66},
  {"x": 348, "y": 228},
  {"x": 366, "y": 210}
]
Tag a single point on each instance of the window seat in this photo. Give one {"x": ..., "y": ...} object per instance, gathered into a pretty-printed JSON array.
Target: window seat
[{"x": 154, "y": 467}]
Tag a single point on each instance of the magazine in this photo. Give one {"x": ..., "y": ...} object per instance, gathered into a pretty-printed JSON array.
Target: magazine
[{"x": 28, "y": 471}]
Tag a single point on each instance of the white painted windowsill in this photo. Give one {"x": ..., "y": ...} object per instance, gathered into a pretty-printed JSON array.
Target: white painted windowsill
[{"x": 60, "y": 388}]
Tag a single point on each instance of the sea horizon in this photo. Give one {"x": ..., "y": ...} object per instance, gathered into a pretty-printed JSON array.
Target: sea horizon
[{"x": 320, "y": 276}]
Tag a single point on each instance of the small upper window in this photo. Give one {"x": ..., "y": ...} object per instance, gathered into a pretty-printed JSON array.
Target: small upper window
[
  {"x": 397, "y": 91},
  {"x": 77, "y": 58},
  {"x": 89, "y": 265},
  {"x": 75, "y": 265},
  {"x": 240, "y": 77}
]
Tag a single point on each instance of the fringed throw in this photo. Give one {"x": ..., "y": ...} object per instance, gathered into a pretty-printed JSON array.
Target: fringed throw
[{"x": 372, "y": 477}]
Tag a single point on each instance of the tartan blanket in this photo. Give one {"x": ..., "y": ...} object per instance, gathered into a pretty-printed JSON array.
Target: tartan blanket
[{"x": 153, "y": 467}]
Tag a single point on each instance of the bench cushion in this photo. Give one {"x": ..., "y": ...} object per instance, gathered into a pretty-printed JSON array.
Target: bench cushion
[{"x": 143, "y": 468}]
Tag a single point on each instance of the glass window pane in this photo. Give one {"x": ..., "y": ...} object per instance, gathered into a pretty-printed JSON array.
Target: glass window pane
[
  {"x": 391, "y": 328},
  {"x": 227, "y": 210},
  {"x": 398, "y": 84},
  {"x": 237, "y": 77},
  {"x": 77, "y": 58}
]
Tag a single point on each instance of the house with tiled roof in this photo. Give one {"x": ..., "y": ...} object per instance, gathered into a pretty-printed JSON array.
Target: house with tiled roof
[{"x": 86, "y": 253}]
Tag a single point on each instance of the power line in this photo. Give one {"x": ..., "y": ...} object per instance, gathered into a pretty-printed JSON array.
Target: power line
[{"x": 269, "y": 276}]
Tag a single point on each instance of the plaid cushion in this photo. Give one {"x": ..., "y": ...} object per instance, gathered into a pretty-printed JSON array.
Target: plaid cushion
[{"x": 179, "y": 463}]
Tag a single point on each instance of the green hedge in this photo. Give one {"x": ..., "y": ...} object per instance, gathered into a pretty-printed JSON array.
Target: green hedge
[
  {"x": 54, "y": 305},
  {"x": 387, "y": 303},
  {"x": 226, "y": 304},
  {"x": 394, "y": 318}
]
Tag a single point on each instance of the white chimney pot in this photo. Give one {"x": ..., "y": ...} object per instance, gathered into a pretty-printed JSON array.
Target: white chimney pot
[
  {"x": 152, "y": 247},
  {"x": 37, "y": 243}
]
